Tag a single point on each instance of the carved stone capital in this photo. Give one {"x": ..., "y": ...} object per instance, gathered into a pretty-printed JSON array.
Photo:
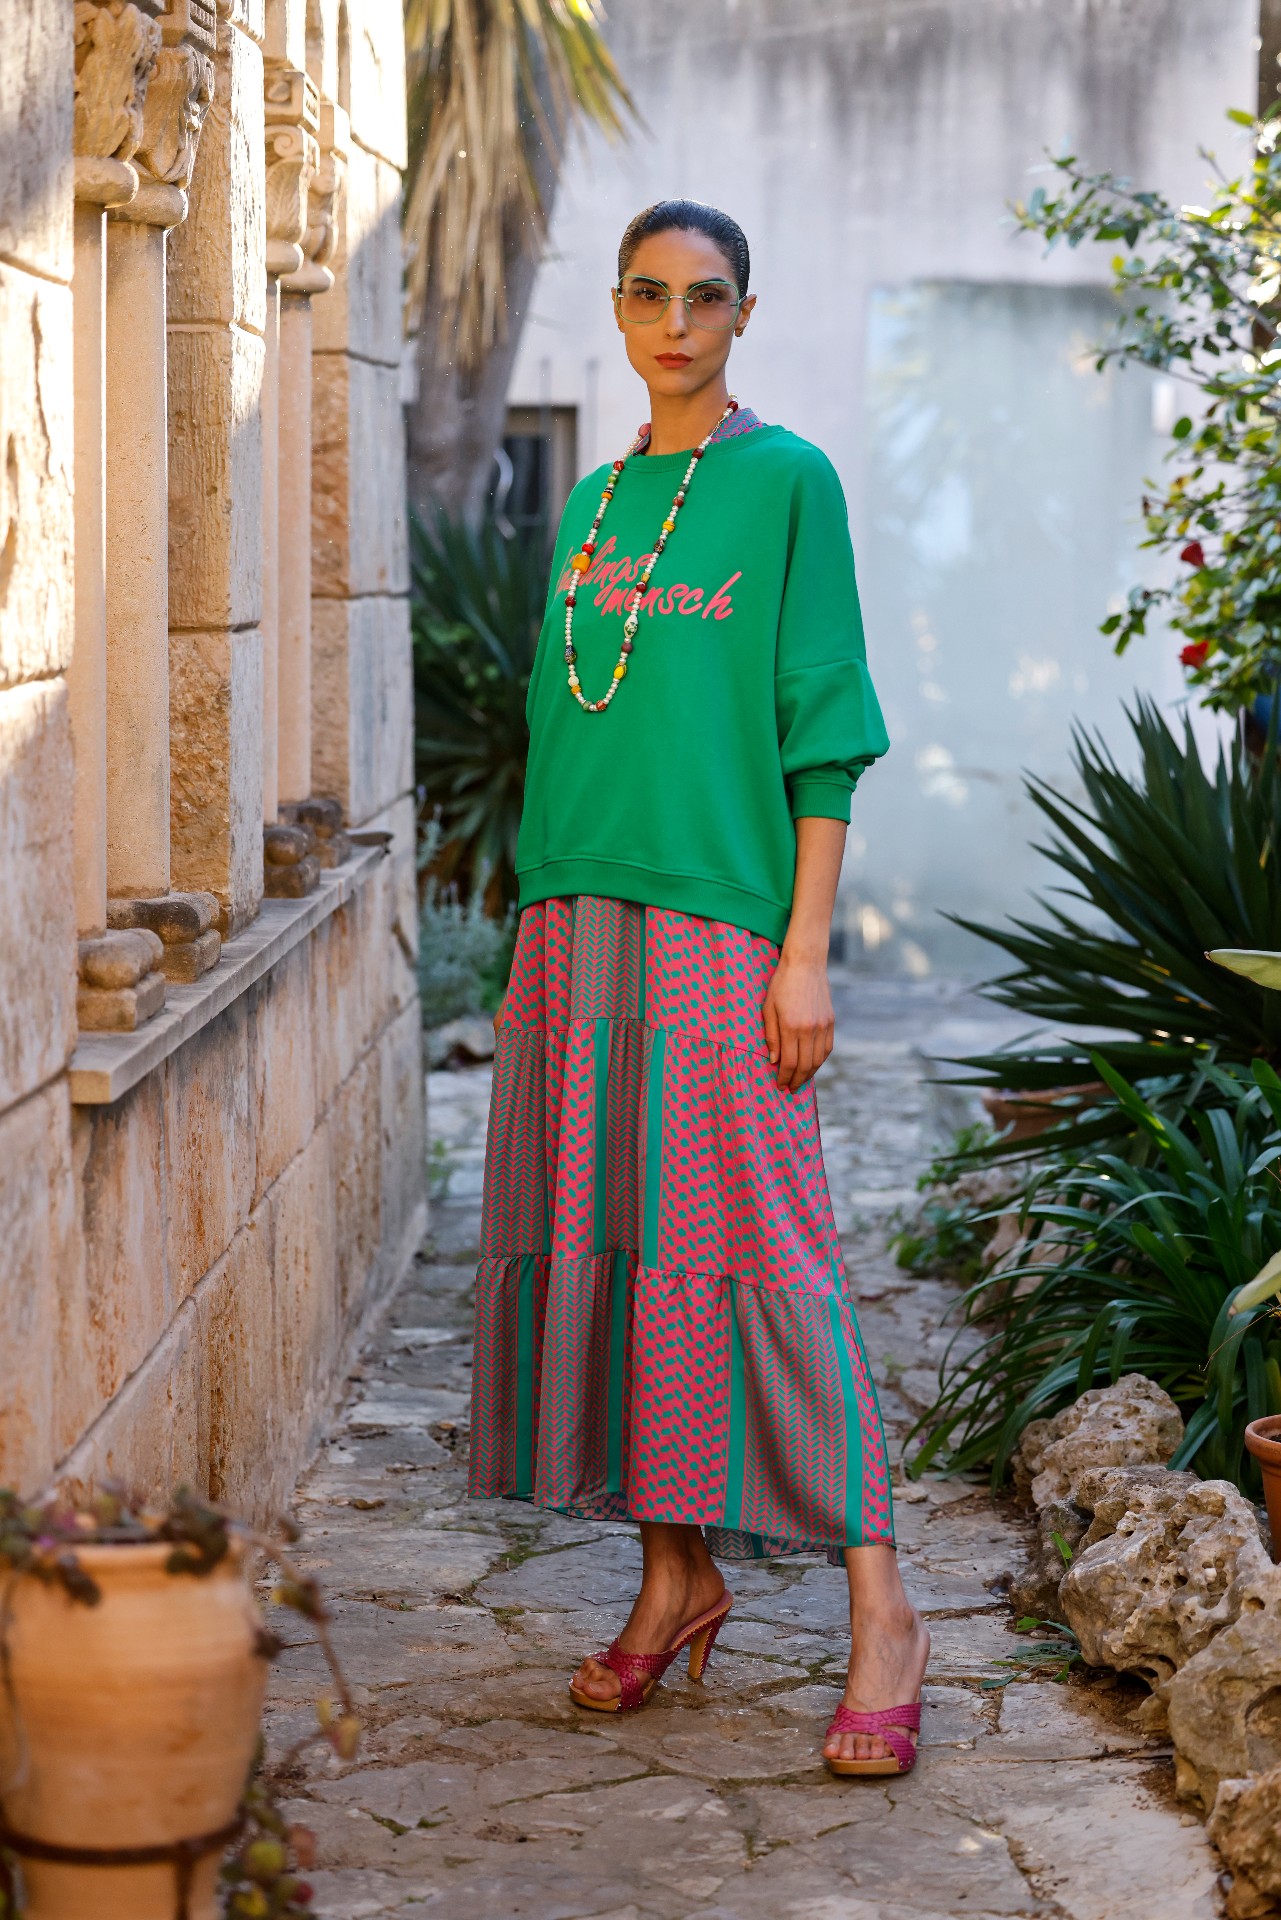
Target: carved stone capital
[
  {"x": 292, "y": 114},
  {"x": 178, "y": 98},
  {"x": 190, "y": 23},
  {"x": 117, "y": 47},
  {"x": 323, "y": 197}
]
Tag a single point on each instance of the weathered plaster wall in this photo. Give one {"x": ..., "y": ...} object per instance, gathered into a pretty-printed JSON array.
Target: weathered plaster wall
[
  {"x": 869, "y": 149},
  {"x": 186, "y": 1270}
]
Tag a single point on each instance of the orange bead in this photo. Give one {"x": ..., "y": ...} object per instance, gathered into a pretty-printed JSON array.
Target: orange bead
[{"x": 580, "y": 562}]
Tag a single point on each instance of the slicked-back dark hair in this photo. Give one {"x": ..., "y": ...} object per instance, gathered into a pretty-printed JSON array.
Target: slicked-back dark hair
[{"x": 689, "y": 216}]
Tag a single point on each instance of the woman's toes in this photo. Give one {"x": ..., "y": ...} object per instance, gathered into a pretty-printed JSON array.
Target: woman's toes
[{"x": 598, "y": 1682}]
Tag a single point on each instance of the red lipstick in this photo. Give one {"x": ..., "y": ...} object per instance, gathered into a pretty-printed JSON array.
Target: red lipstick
[{"x": 673, "y": 359}]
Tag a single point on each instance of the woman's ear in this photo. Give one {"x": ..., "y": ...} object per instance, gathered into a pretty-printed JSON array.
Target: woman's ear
[{"x": 744, "y": 314}]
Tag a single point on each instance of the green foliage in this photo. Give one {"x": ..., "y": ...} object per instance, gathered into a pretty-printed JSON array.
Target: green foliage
[
  {"x": 950, "y": 1229},
  {"x": 1045, "y": 1659},
  {"x": 477, "y": 600},
  {"x": 1158, "y": 866},
  {"x": 1132, "y": 1268},
  {"x": 944, "y": 1236},
  {"x": 1201, "y": 288},
  {"x": 464, "y": 956},
  {"x": 263, "y": 1878}
]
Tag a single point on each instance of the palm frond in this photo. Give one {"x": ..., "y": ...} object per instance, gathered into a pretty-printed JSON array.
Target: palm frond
[{"x": 491, "y": 82}]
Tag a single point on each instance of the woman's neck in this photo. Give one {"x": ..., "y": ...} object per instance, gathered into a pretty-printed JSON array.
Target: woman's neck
[{"x": 680, "y": 421}]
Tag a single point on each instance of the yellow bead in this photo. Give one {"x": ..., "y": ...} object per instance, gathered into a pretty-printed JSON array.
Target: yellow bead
[
  {"x": 620, "y": 670},
  {"x": 669, "y": 526},
  {"x": 580, "y": 563}
]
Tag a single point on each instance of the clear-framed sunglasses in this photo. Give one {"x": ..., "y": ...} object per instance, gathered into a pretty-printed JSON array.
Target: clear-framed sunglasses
[{"x": 710, "y": 304}]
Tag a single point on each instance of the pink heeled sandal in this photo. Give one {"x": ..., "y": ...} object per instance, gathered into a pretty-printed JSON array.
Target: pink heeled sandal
[
  {"x": 639, "y": 1673},
  {"x": 894, "y": 1725}
]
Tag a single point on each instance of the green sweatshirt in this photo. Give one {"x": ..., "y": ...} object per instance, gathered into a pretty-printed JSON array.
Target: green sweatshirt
[{"x": 747, "y": 703}]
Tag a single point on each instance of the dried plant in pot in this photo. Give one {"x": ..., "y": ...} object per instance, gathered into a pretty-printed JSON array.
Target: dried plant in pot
[{"x": 133, "y": 1664}]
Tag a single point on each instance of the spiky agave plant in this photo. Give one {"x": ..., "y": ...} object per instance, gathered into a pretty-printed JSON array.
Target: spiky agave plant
[
  {"x": 1158, "y": 866},
  {"x": 476, "y": 605}
]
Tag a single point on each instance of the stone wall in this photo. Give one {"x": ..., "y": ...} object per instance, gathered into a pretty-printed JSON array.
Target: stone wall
[{"x": 202, "y": 586}]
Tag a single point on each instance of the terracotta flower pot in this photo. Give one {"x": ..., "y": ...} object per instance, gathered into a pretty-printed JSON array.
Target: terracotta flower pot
[
  {"x": 1022, "y": 1116},
  {"x": 1263, "y": 1440},
  {"x": 131, "y": 1724}
]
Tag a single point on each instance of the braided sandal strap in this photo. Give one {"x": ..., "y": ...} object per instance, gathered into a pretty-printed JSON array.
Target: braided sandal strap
[
  {"x": 891, "y": 1724},
  {"x": 633, "y": 1669}
]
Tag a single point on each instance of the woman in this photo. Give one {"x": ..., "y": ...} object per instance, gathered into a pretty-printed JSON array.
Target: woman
[{"x": 662, "y": 1329}]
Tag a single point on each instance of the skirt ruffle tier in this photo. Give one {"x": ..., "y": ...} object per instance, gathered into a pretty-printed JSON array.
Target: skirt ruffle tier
[{"x": 662, "y": 1326}]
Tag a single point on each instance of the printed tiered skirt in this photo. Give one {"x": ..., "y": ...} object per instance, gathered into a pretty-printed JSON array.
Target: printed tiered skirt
[{"x": 662, "y": 1326}]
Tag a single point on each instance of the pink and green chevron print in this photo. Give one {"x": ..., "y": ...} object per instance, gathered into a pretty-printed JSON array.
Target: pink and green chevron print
[{"x": 662, "y": 1326}]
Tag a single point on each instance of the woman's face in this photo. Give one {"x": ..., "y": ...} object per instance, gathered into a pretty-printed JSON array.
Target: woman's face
[{"x": 670, "y": 355}]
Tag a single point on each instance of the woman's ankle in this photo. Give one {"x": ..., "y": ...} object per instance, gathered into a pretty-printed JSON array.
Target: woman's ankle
[{"x": 895, "y": 1616}]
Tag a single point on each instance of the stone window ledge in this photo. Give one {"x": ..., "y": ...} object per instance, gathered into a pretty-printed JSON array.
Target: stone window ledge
[{"x": 105, "y": 1065}]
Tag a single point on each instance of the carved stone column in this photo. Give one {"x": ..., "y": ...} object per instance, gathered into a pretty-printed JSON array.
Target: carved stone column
[
  {"x": 293, "y": 156},
  {"x": 178, "y": 94},
  {"x": 308, "y": 223},
  {"x": 117, "y": 50}
]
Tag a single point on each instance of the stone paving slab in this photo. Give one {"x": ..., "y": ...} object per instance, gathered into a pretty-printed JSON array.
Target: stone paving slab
[{"x": 482, "y": 1793}]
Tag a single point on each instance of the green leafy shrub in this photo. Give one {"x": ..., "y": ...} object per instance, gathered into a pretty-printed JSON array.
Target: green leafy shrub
[
  {"x": 476, "y": 608},
  {"x": 464, "y": 957},
  {"x": 949, "y": 1230},
  {"x": 1201, "y": 291},
  {"x": 1131, "y": 1268}
]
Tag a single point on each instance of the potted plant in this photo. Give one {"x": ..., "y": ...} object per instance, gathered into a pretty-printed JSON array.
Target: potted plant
[{"x": 132, "y": 1673}]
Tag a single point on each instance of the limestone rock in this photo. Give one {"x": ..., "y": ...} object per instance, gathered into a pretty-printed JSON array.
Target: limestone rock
[
  {"x": 1036, "y": 1590},
  {"x": 1126, "y": 1425},
  {"x": 1224, "y": 1705},
  {"x": 1245, "y": 1825},
  {"x": 460, "y": 1043},
  {"x": 1161, "y": 1569}
]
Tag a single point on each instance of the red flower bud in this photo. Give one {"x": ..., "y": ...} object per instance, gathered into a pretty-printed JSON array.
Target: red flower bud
[
  {"x": 1194, "y": 654},
  {"x": 1194, "y": 554}
]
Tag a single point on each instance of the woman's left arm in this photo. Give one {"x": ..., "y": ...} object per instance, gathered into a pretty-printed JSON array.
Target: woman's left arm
[{"x": 799, "y": 1022}]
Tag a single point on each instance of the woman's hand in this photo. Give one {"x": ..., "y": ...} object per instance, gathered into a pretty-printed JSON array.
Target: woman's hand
[
  {"x": 498, "y": 1015},
  {"x": 800, "y": 1026}
]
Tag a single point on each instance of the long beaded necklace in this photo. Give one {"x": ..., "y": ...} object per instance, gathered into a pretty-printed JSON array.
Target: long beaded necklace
[{"x": 583, "y": 560}]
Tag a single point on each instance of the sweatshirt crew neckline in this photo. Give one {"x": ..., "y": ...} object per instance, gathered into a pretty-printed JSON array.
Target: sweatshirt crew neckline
[{"x": 714, "y": 450}]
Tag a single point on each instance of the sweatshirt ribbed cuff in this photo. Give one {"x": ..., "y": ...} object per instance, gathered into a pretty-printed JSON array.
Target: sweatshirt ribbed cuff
[{"x": 812, "y": 799}]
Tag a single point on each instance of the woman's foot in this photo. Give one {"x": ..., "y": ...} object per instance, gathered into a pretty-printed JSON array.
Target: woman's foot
[
  {"x": 888, "y": 1658},
  {"x": 680, "y": 1582}
]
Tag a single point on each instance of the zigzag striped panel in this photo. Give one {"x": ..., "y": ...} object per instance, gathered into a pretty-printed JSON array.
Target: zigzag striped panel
[{"x": 662, "y": 1328}]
